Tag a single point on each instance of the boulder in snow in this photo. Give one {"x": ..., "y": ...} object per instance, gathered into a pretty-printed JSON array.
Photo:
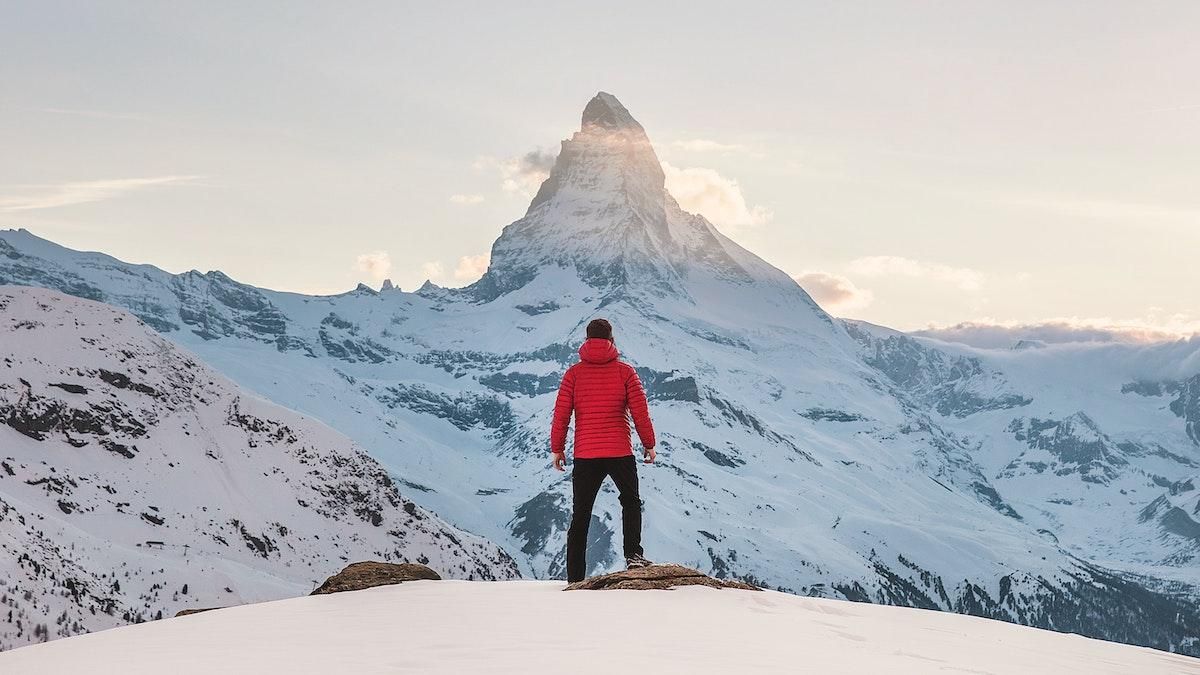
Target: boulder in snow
[
  {"x": 360, "y": 575},
  {"x": 661, "y": 577}
]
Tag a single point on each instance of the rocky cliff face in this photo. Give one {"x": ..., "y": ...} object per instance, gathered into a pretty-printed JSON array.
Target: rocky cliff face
[
  {"x": 797, "y": 452},
  {"x": 135, "y": 481}
]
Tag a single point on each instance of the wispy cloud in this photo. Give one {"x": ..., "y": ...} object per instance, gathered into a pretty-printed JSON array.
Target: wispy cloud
[
  {"x": 466, "y": 199},
  {"x": 713, "y": 196},
  {"x": 835, "y": 293},
  {"x": 95, "y": 114},
  {"x": 48, "y": 196},
  {"x": 889, "y": 265},
  {"x": 1179, "y": 215},
  {"x": 432, "y": 270},
  {"x": 376, "y": 265},
  {"x": 520, "y": 175},
  {"x": 471, "y": 267},
  {"x": 468, "y": 270},
  {"x": 1138, "y": 213},
  {"x": 706, "y": 145},
  {"x": 1174, "y": 108}
]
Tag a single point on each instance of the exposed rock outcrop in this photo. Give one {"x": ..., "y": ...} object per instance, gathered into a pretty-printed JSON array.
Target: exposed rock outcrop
[
  {"x": 186, "y": 612},
  {"x": 655, "y": 577},
  {"x": 360, "y": 575}
]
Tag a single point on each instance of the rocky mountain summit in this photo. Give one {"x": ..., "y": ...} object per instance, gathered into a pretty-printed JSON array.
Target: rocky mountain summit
[{"x": 797, "y": 452}]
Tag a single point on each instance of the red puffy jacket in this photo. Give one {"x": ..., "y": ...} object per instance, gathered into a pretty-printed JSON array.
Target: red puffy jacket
[{"x": 599, "y": 389}]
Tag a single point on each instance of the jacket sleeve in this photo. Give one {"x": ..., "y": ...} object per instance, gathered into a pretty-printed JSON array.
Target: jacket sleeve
[
  {"x": 563, "y": 407},
  {"x": 635, "y": 397}
]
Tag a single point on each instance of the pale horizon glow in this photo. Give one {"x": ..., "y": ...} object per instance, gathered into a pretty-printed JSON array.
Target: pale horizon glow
[{"x": 914, "y": 165}]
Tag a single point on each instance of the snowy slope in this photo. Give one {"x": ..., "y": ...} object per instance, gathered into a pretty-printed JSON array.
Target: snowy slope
[
  {"x": 533, "y": 627},
  {"x": 1096, "y": 443},
  {"x": 797, "y": 451},
  {"x": 135, "y": 482}
]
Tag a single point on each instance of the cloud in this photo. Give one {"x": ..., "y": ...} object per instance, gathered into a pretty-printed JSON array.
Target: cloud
[
  {"x": 468, "y": 270},
  {"x": 376, "y": 265},
  {"x": 994, "y": 334},
  {"x": 834, "y": 292},
  {"x": 432, "y": 270},
  {"x": 537, "y": 161},
  {"x": 889, "y": 265},
  {"x": 48, "y": 196},
  {"x": 713, "y": 196},
  {"x": 466, "y": 199},
  {"x": 521, "y": 175},
  {"x": 706, "y": 145},
  {"x": 471, "y": 267}
]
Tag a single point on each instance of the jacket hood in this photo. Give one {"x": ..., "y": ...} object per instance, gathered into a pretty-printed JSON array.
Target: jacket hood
[{"x": 598, "y": 350}]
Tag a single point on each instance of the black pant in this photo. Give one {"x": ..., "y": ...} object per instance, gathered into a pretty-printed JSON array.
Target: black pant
[{"x": 587, "y": 475}]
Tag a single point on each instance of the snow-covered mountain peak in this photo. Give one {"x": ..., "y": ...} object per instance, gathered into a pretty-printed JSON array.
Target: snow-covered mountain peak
[
  {"x": 609, "y": 161},
  {"x": 604, "y": 213}
]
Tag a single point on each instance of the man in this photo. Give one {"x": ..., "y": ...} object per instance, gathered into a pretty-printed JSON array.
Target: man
[{"x": 599, "y": 390}]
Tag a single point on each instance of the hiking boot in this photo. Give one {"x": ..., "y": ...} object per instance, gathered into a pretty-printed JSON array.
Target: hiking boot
[{"x": 634, "y": 562}]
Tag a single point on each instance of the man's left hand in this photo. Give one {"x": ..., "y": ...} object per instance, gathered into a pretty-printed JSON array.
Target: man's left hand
[{"x": 649, "y": 455}]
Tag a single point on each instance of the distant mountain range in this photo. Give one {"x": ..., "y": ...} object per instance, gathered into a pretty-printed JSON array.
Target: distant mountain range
[{"x": 1054, "y": 486}]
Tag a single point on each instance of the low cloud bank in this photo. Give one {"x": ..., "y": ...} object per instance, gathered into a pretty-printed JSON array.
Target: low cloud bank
[{"x": 1002, "y": 335}]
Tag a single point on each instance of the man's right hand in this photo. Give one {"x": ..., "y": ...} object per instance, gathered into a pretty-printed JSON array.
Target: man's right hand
[{"x": 560, "y": 461}]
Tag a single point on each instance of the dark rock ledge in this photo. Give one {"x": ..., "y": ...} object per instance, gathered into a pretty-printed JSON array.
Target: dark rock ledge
[
  {"x": 185, "y": 612},
  {"x": 663, "y": 576},
  {"x": 358, "y": 576},
  {"x": 361, "y": 575}
]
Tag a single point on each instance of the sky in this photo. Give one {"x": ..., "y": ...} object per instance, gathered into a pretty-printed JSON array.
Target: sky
[{"x": 913, "y": 164}]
